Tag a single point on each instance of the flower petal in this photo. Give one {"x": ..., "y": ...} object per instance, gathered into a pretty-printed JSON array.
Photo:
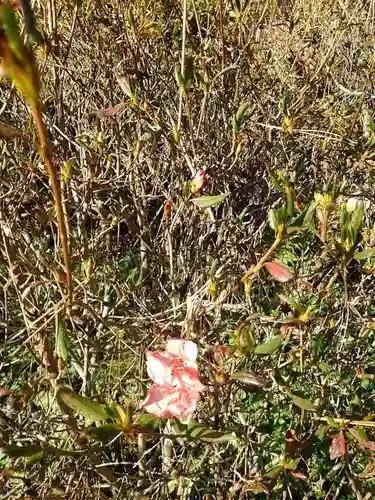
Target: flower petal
[
  {"x": 185, "y": 348},
  {"x": 184, "y": 405},
  {"x": 158, "y": 399},
  {"x": 158, "y": 366}
]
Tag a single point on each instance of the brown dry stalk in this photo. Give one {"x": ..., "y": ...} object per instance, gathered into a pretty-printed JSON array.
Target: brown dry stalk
[{"x": 51, "y": 170}]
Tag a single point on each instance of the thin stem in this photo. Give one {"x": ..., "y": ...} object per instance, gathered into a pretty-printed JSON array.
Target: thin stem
[
  {"x": 61, "y": 223},
  {"x": 253, "y": 270},
  {"x": 184, "y": 16}
]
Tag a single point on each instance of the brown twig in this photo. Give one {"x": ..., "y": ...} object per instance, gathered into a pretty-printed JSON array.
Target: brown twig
[{"x": 61, "y": 223}]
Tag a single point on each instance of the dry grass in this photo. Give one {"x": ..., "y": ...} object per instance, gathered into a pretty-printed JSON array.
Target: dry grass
[{"x": 140, "y": 277}]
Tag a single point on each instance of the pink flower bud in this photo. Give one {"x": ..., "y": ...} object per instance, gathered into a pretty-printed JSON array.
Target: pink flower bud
[{"x": 199, "y": 181}]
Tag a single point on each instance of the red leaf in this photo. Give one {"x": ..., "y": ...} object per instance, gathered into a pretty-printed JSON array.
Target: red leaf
[
  {"x": 111, "y": 111},
  {"x": 4, "y": 392},
  {"x": 279, "y": 272},
  {"x": 338, "y": 446},
  {"x": 298, "y": 475}
]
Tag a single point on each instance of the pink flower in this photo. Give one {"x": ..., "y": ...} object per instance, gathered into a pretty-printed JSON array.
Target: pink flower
[
  {"x": 176, "y": 388},
  {"x": 167, "y": 401},
  {"x": 177, "y": 366},
  {"x": 199, "y": 181}
]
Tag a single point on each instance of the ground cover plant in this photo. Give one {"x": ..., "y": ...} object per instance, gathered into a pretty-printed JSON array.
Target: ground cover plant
[{"x": 187, "y": 249}]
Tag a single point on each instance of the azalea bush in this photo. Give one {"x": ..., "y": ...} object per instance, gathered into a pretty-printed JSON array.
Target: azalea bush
[{"x": 186, "y": 250}]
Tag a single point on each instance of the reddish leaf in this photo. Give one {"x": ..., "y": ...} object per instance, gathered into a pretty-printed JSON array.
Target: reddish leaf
[
  {"x": 13, "y": 4},
  {"x": 8, "y": 132},
  {"x": 338, "y": 446},
  {"x": 279, "y": 272},
  {"x": 298, "y": 475},
  {"x": 111, "y": 111},
  {"x": 4, "y": 392}
]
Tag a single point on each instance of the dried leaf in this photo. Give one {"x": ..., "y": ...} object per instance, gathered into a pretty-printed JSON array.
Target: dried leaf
[
  {"x": 7, "y": 132},
  {"x": 13, "y": 4},
  {"x": 255, "y": 486},
  {"x": 279, "y": 272},
  {"x": 125, "y": 85},
  {"x": 338, "y": 447},
  {"x": 292, "y": 443},
  {"x": 249, "y": 378},
  {"x": 168, "y": 206}
]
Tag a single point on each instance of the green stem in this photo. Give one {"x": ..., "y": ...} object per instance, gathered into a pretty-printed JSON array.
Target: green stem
[{"x": 255, "y": 269}]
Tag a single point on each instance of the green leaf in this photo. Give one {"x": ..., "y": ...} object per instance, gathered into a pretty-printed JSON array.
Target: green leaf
[
  {"x": 149, "y": 421},
  {"x": 60, "y": 340},
  {"x": 197, "y": 432},
  {"x": 243, "y": 339},
  {"x": 104, "y": 433},
  {"x": 209, "y": 201},
  {"x": 82, "y": 405},
  {"x": 275, "y": 472},
  {"x": 272, "y": 219},
  {"x": 289, "y": 191},
  {"x": 303, "y": 403},
  {"x": 279, "y": 379},
  {"x": 130, "y": 18},
  {"x": 270, "y": 346},
  {"x": 33, "y": 459},
  {"x": 123, "y": 415},
  {"x": 241, "y": 112},
  {"x": 14, "y": 451},
  {"x": 290, "y": 463},
  {"x": 180, "y": 80},
  {"x": 235, "y": 125},
  {"x": 67, "y": 169},
  {"x": 366, "y": 254}
]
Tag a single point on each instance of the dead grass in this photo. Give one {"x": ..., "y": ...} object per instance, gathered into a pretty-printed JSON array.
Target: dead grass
[{"x": 139, "y": 277}]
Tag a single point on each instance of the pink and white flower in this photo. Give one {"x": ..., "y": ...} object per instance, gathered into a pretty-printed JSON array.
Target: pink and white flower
[{"x": 175, "y": 374}]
